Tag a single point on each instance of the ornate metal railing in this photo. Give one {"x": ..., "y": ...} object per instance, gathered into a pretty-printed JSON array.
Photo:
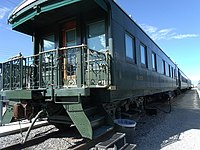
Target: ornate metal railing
[{"x": 74, "y": 66}]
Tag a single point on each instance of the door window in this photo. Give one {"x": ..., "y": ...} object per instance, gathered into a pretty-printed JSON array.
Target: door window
[
  {"x": 70, "y": 38},
  {"x": 69, "y": 55},
  {"x": 69, "y": 34}
]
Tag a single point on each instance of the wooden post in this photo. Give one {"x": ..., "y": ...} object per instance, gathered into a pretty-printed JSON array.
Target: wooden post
[{"x": 65, "y": 69}]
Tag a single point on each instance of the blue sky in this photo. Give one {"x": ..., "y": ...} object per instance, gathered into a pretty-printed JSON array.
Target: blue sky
[
  {"x": 172, "y": 24},
  {"x": 11, "y": 42}
]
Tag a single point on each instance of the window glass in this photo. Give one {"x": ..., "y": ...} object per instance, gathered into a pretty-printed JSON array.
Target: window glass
[
  {"x": 175, "y": 74},
  {"x": 143, "y": 55},
  {"x": 71, "y": 37},
  {"x": 96, "y": 36},
  {"x": 169, "y": 71},
  {"x": 166, "y": 69},
  {"x": 154, "y": 61},
  {"x": 130, "y": 47},
  {"x": 48, "y": 42},
  {"x": 163, "y": 67},
  {"x": 172, "y": 73}
]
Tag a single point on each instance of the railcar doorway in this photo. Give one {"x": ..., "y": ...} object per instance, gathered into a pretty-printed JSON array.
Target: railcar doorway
[{"x": 70, "y": 53}]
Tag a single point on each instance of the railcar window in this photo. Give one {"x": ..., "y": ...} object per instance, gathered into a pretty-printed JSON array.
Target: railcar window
[
  {"x": 48, "y": 42},
  {"x": 154, "y": 62},
  {"x": 130, "y": 47},
  {"x": 96, "y": 36},
  {"x": 169, "y": 71},
  {"x": 143, "y": 52},
  {"x": 163, "y": 67},
  {"x": 166, "y": 69},
  {"x": 172, "y": 72}
]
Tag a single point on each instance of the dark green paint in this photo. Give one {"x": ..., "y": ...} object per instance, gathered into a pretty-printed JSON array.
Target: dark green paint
[
  {"x": 18, "y": 94},
  {"x": 69, "y": 92},
  {"x": 7, "y": 117},
  {"x": 102, "y": 4},
  {"x": 79, "y": 118}
]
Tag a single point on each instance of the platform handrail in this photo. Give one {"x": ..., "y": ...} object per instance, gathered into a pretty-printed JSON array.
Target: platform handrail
[{"x": 75, "y": 66}]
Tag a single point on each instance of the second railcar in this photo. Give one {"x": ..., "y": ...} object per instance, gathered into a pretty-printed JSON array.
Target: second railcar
[
  {"x": 91, "y": 62},
  {"x": 184, "y": 81}
]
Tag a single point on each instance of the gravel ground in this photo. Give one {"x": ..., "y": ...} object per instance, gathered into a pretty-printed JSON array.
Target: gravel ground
[
  {"x": 61, "y": 141},
  {"x": 177, "y": 130}
]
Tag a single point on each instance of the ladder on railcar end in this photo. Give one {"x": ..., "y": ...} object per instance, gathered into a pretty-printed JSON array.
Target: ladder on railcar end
[{"x": 117, "y": 141}]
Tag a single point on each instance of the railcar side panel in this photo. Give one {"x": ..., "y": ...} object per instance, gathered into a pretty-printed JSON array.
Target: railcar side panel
[{"x": 132, "y": 77}]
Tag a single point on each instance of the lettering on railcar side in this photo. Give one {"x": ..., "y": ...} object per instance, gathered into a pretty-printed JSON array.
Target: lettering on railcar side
[{"x": 139, "y": 77}]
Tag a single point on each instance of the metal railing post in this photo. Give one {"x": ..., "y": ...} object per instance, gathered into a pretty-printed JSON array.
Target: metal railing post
[
  {"x": 57, "y": 68},
  {"x": 40, "y": 70},
  {"x": 88, "y": 67},
  {"x": 52, "y": 78},
  {"x": 83, "y": 64},
  {"x": 78, "y": 56},
  {"x": 52, "y": 70},
  {"x": 108, "y": 66},
  {"x": 59, "y": 63},
  {"x": 21, "y": 72},
  {"x": 25, "y": 75},
  {"x": 11, "y": 74}
]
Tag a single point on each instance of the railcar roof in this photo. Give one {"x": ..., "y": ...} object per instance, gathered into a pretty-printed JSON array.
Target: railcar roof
[
  {"x": 34, "y": 7},
  {"x": 22, "y": 5}
]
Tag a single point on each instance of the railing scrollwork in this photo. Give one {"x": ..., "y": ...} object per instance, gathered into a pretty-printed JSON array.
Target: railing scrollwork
[{"x": 65, "y": 67}]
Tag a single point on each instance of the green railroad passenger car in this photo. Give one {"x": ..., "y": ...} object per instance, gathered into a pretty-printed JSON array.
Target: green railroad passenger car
[{"x": 91, "y": 62}]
